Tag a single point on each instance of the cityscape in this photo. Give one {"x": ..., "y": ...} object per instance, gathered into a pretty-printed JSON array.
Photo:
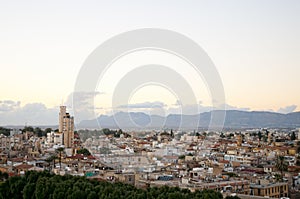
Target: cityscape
[
  {"x": 244, "y": 163},
  {"x": 166, "y": 100}
]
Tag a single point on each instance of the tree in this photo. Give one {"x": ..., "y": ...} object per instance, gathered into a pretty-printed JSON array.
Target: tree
[
  {"x": 222, "y": 135},
  {"x": 293, "y": 136},
  {"x": 59, "y": 151},
  {"x": 48, "y": 130},
  {"x": 259, "y": 135},
  {"x": 277, "y": 177},
  {"x": 42, "y": 189},
  {"x": 28, "y": 128},
  {"x": 38, "y": 131},
  {"x": 84, "y": 151},
  {"x": 3, "y": 176},
  {"x": 281, "y": 165},
  {"x": 92, "y": 195},
  {"x": 49, "y": 160},
  {"x": 45, "y": 185},
  {"x": 4, "y": 131},
  {"x": 265, "y": 138},
  {"x": 15, "y": 185},
  {"x": 232, "y": 174},
  {"x": 28, "y": 191},
  {"x": 232, "y": 197},
  {"x": 172, "y": 133},
  {"x": 106, "y": 131}
]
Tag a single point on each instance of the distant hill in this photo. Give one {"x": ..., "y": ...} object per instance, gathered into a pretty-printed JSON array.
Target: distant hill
[{"x": 234, "y": 119}]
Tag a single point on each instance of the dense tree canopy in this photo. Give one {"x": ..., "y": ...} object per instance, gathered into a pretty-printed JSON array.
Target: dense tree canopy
[
  {"x": 45, "y": 185},
  {"x": 85, "y": 134},
  {"x": 4, "y": 131},
  {"x": 84, "y": 151},
  {"x": 37, "y": 130}
]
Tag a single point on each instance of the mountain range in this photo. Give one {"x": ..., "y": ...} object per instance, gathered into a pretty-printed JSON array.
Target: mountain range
[{"x": 234, "y": 119}]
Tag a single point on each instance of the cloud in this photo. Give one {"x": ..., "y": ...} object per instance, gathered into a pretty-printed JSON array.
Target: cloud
[
  {"x": 31, "y": 114},
  {"x": 82, "y": 100},
  {"x": 287, "y": 109},
  {"x": 143, "y": 105},
  {"x": 81, "y": 105},
  {"x": 9, "y": 105},
  {"x": 229, "y": 107},
  {"x": 12, "y": 113},
  {"x": 188, "y": 109},
  {"x": 161, "y": 108},
  {"x": 192, "y": 109}
]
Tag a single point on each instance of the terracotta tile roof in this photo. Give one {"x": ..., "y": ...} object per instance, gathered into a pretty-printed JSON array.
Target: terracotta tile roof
[
  {"x": 23, "y": 166},
  {"x": 90, "y": 157},
  {"x": 224, "y": 161}
]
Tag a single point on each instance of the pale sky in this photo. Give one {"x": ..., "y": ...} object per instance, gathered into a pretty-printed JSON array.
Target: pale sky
[{"x": 255, "y": 46}]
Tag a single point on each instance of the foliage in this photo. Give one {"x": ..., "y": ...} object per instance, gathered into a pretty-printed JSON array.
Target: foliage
[
  {"x": 37, "y": 130},
  {"x": 48, "y": 130},
  {"x": 4, "y": 131},
  {"x": 293, "y": 136},
  {"x": 265, "y": 138},
  {"x": 84, "y": 151},
  {"x": 230, "y": 174},
  {"x": 281, "y": 165},
  {"x": 59, "y": 152},
  {"x": 232, "y": 197},
  {"x": 190, "y": 154},
  {"x": 298, "y": 161},
  {"x": 259, "y": 134},
  {"x": 3, "y": 176},
  {"x": 277, "y": 177},
  {"x": 165, "y": 133},
  {"x": 45, "y": 185},
  {"x": 298, "y": 149},
  {"x": 28, "y": 128},
  {"x": 85, "y": 134},
  {"x": 51, "y": 159}
]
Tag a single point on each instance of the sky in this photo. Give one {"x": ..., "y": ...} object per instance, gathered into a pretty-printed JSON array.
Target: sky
[{"x": 254, "y": 45}]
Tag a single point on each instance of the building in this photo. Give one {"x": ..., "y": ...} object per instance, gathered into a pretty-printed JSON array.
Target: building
[
  {"x": 15, "y": 132},
  {"x": 66, "y": 127},
  {"x": 272, "y": 190},
  {"x": 55, "y": 138}
]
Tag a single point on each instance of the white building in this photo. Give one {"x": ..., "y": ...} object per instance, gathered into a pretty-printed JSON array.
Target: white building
[
  {"x": 15, "y": 132},
  {"x": 55, "y": 138}
]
